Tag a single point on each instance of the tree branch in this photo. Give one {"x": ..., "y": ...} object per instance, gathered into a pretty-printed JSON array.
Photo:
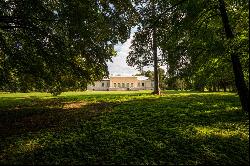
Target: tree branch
[{"x": 163, "y": 13}]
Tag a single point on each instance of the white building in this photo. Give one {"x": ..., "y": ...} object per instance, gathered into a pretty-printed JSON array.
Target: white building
[{"x": 123, "y": 83}]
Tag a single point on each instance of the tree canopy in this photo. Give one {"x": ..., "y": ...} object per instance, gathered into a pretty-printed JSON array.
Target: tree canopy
[
  {"x": 203, "y": 42},
  {"x": 52, "y": 45},
  {"x": 198, "y": 47}
]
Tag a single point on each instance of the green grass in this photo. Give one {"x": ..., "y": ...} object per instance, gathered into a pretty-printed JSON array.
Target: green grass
[{"x": 123, "y": 128}]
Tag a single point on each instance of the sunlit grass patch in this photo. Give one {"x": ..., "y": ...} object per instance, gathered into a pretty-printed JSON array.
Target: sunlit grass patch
[{"x": 224, "y": 133}]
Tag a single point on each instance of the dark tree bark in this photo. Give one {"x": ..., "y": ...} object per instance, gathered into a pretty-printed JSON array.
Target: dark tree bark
[
  {"x": 242, "y": 89},
  {"x": 214, "y": 88},
  {"x": 156, "y": 72},
  {"x": 224, "y": 88},
  {"x": 210, "y": 89}
]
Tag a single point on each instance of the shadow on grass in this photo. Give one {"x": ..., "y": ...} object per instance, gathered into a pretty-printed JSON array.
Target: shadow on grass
[
  {"x": 192, "y": 129},
  {"x": 24, "y": 119}
]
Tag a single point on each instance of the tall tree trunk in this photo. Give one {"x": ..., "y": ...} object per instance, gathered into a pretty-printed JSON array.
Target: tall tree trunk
[
  {"x": 154, "y": 47},
  {"x": 224, "y": 88},
  {"x": 238, "y": 73},
  {"x": 214, "y": 88},
  {"x": 210, "y": 89}
]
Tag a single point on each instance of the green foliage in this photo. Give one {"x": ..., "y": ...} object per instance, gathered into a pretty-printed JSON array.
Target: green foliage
[
  {"x": 162, "y": 77},
  {"x": 191, "y": 40},
  {"x": 141, "y": 53},
  {"x": 55, "y": 45},
  {"x": 141, "y": 50},
  {"x": 123, "y": 128},
  {"x": 195, "y": 46}
]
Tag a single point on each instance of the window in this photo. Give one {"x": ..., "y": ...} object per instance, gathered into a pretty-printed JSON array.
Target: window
[
  {"x": 132, "y": 85},
  {"x": 107, "y": 84},
  {"x": 138, "y": 84},
  {"x": 127, "y": 85},
  {"x": 115, "y": 85},
  {"x": 142, "y": 84},
  {"x": 102, "y": 84},
  {"x": 123, "y": 85},
  {"x": 119, "y": 85}
]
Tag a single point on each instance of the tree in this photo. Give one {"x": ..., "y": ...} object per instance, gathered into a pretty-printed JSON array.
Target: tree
[
  {"x": 196, "y": 37},
  {"x": 144, "y": 48},
  {"x": 149, "y": 74},
  {"x": 59, "y": 44},
  {"x": 191, "y": 34},
  {"x": 237, "y": 68},
  {"x": 162, "y": 77}
]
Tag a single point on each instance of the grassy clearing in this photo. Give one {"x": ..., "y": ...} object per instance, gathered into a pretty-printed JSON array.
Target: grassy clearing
[{"x": 123, "y": 128}]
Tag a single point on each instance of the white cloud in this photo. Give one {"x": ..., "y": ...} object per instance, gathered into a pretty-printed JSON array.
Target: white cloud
[{"x": 119, "y": 65}]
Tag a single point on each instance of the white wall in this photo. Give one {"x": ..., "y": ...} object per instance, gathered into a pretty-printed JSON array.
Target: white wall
[
  {"x": 99, "y": 85},
  {"x": 104, "y": 85}
]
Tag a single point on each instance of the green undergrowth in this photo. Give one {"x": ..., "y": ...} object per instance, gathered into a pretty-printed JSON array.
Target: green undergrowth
[{"x": 132, "y": 127}]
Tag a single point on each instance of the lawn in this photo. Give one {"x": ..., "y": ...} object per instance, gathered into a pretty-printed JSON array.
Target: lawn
[{"x": 123, "y": 128}]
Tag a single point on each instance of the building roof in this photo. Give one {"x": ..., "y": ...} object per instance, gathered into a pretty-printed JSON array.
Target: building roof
[{"x": 141, "y": 78}]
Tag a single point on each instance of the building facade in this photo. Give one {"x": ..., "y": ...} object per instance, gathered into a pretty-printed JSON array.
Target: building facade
[{"x": 122, "y": 83}]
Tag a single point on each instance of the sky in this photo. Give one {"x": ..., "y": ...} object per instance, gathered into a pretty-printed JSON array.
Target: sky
[{"x": 119, "y": 65}]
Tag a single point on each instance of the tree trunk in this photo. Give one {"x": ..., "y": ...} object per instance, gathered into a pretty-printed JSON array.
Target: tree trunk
[
  {"x": 224, "y": 88},
  {"x": 238, "y": 73},
  {"x": 210, "y": 89},
  {"x": 156, "y": 72},
  {"x": 214, "y": 88}
]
